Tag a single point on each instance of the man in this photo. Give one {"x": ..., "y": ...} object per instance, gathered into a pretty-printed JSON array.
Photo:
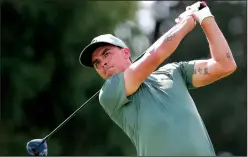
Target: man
[{"x": 154, "y": 108}]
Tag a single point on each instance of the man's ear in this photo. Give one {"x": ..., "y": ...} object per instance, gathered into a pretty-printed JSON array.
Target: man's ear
[{"x": 127, "y": 53}]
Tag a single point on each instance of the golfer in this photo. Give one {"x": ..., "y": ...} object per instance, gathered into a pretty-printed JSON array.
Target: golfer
[{"x": 153, "y": 107}]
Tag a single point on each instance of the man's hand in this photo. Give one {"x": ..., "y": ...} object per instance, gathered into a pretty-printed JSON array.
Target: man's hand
[
  {"x": 199, "y": 11},
  {"x": 184, "y": 15},
  {"x": 190, "y": 10}
]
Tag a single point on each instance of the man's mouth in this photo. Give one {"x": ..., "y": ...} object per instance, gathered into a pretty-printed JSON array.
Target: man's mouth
[{"x": 108, "y": 69}]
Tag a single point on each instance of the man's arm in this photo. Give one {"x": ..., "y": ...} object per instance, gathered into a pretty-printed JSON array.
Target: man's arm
[
  {"x": 221, "y": 63},
  {"x": 156, "y": 54}
]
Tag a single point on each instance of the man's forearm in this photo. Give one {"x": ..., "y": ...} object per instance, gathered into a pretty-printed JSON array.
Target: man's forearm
[
  {"x": 155, "y": 55},
  {"x": 168, "y": 43},
  {"x": 218, "y": 45}
]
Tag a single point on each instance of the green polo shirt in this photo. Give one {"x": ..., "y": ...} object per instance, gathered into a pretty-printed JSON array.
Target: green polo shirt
[{"x": 160, "y": 118}]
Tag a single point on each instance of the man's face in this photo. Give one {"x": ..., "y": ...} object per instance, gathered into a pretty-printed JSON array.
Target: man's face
[{"x": 109, "y": 60}]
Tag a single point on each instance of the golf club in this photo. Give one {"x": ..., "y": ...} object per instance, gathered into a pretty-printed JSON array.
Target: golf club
[{"x": 38, "y": 147}]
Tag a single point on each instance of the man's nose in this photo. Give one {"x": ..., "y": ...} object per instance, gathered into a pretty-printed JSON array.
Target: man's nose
[{"x": 104, "y": 63}]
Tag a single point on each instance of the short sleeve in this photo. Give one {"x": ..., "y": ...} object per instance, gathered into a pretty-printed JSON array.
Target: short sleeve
[
  {"x": 112, "y": 94},
  {"x": 187, "y": 69}
]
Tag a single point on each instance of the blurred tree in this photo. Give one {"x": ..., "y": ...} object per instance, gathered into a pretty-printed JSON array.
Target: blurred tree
[{"x": 42, "y": 80}]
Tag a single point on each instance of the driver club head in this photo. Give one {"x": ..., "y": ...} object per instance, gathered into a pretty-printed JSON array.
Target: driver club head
[{"x": 37, "y": 147}]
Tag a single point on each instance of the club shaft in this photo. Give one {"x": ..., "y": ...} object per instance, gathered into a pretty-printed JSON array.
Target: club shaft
[{"x": 67, "y": 119}]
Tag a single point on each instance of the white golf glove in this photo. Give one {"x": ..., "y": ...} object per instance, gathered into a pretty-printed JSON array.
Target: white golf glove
[
  {"x": 199, "y": 11},
  {"x": 203, "y": 13}
]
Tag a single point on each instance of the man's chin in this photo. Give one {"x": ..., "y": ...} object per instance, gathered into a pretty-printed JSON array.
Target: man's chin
[{"x": 110, "y": 75}]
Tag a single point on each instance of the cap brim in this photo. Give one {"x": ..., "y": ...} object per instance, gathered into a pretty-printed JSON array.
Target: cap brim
[{"x": 85, "y": 56}]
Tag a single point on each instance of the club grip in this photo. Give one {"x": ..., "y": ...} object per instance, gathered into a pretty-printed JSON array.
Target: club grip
[{"x": 202, "y": 5}]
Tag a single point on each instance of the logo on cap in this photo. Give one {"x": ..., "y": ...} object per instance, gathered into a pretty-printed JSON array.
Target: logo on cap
[{"x": 93, "y": 41}]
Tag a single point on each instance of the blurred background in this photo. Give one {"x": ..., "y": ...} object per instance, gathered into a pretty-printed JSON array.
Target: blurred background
[{"x": 42, "y": 82}]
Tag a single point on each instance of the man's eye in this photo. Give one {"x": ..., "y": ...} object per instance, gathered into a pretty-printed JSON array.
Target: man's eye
[
  {"x": 96, "y": 64},
  {"x": 106, "y": 54}
]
